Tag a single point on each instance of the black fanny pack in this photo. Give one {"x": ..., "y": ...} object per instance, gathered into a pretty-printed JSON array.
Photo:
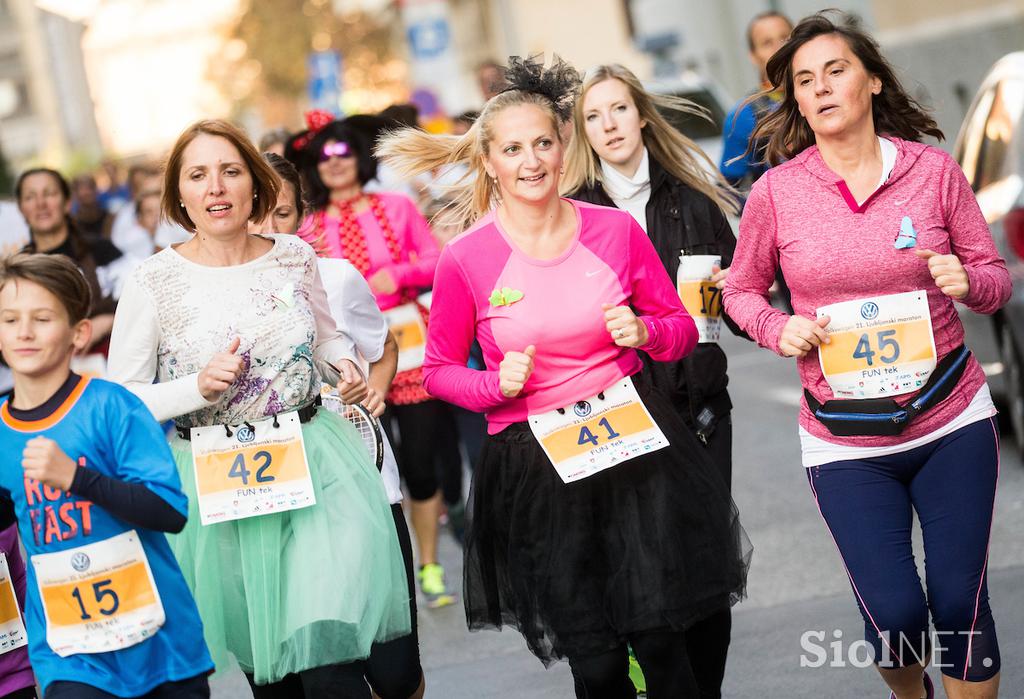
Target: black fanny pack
[{"x": 884, "y": 416}]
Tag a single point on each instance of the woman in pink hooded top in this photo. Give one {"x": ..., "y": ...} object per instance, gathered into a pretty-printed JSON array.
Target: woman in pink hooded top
[{"x": 877, "y": 236}]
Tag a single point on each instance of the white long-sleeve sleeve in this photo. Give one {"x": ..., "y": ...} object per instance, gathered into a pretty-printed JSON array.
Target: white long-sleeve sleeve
[
  {"x": 178, "y": 314},
  {"x": 132, "y": 362},
  {"x": 334, "y": 343}
]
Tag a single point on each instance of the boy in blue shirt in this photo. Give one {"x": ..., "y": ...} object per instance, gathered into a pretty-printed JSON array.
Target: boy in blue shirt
[{"x": 107, "y": 610}]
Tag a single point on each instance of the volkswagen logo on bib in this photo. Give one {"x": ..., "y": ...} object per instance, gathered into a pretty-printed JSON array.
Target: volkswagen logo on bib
[
  {"x": 582, "y": 408},
  {"x": 80, "y": 562},
  {"x": 245, "y": 434},
  {"x": 869, "y": 311}
]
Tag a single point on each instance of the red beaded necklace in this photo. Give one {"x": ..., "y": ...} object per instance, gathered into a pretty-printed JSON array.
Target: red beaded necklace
[
  {"x": 351, "y": 236},
  {"x": 408, "y": 385}
]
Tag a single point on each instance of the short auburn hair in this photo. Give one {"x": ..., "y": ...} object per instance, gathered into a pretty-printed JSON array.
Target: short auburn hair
[
  {"x": 265, "y": 182},
  {"x": 57, "y": 274}
]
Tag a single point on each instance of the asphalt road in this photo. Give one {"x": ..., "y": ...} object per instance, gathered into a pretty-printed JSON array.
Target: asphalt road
[{"x": 797, "y": 584}]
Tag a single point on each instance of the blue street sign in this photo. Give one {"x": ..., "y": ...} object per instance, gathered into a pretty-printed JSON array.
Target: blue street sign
[
  {"x": 429, "y": 37},
  {"x": 324, "y": 84}
]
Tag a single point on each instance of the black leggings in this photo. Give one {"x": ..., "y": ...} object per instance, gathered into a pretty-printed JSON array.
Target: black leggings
[
  {"x": 25, "y": 693},
  {"x": 420, "y": 426},
  {"x": 662, "y": 656},
  {"x": 393, "y": 668},
  {"x": 197, "y": 687},
  {"x": 707, "y": 641}
]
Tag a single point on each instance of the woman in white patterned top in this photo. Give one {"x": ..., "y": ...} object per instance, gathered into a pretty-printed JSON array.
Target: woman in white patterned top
[{"x": 235, "y": 328}]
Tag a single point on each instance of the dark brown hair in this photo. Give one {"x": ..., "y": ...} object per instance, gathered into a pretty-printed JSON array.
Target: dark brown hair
[
  {"x": 79, "y": 248},
  {"x": 786, "y": 133},
  {"x": 265, "y": 184},
  {"x": 57, "y": 274},
  {"x": 289, "y": 175}
]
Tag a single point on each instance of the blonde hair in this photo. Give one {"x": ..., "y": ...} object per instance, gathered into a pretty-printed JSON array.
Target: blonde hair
[
  {"x": 412, "y": 152},
  {"x": 679, "y": 155}
]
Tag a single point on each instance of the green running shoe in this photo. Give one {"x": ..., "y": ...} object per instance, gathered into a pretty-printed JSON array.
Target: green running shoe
[
  {"x": 431, "y": 577},
  {"x": 637, "y": 675}
]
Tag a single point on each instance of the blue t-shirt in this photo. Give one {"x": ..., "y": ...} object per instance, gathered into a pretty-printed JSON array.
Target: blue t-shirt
[
  {"x": 736, "y": 164},
  {"x": 103, "y": 426}
]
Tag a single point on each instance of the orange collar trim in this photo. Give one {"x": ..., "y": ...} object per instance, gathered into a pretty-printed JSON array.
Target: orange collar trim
[{"x": 49, "y": 421}]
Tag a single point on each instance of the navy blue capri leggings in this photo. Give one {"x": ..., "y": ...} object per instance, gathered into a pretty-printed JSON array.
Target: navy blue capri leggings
[{"x": 868, "y": 507}]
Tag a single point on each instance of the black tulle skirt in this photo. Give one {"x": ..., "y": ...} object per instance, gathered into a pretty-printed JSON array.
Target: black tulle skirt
[{"x": 654, "y": 543}]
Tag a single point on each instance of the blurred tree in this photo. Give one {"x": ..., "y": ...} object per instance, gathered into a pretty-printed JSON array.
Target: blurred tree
[{"x": 265, "y": 56}]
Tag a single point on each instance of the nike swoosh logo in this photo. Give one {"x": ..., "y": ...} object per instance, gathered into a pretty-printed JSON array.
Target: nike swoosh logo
[{"x": 596, "y": 271}]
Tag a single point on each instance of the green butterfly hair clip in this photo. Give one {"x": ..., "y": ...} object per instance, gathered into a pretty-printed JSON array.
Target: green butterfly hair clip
[{"x": 505, "y": 296}]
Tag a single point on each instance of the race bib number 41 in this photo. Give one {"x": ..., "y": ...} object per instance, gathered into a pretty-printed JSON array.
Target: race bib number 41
[
  {"x": 99, "y": 597},
  {"x": 12, "y": 629},
  {"x": 880, "y": 346},
  {"x": 253, "y": 472},
  {"x": 597, "y": 433}
]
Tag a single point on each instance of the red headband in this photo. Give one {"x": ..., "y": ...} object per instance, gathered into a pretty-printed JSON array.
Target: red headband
[{"x": 316, "y": 120}]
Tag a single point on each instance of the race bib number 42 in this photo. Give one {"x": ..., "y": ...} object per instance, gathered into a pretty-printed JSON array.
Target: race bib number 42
[
  {"x": 99, "y": 597},
  {"x": 880, "y": 346},
  {"x": 253, "y": 472},
  {"x": 597, "y": 433}
]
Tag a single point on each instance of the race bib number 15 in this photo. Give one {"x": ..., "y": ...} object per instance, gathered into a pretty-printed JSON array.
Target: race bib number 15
[{"x": 98, "y": 597}]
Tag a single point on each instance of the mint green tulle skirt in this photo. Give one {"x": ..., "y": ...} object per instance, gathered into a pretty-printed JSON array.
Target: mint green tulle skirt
[{"x": 300, "y": 589}]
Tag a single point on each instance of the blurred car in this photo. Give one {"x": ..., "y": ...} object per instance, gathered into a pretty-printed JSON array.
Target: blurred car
[
  {"x": 707, "y": 134},
  {"x": 990, "y": 150}
]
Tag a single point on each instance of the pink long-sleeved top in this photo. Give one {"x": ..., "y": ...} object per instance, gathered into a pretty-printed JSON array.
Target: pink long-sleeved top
[
  {"x": 610, "y": 260},
  {"x": 419, "y": 251},
  {"x": 801, "y": 216}
]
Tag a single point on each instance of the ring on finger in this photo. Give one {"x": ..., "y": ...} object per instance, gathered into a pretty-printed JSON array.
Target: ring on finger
[{"x": 620, "y": 333}]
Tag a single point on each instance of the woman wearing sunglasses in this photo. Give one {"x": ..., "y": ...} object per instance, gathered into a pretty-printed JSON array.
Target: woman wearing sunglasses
[{"x": 387, "y": 239}]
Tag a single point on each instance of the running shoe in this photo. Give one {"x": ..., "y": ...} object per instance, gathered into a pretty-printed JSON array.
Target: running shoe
[
  {"x": 637, "y": 675},
  {"x": 432, "y": 586},
  {"x": 929, "y": 689}
]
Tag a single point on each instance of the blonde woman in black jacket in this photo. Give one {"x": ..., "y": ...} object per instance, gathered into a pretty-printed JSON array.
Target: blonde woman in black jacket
[{"x": 625, "y": 154}]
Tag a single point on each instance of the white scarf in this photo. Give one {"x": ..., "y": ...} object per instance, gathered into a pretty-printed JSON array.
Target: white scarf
[{"x": 629, "y": 193}]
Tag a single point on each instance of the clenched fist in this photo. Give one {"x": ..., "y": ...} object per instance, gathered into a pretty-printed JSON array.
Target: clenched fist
[
  {"x": 947, "y": 271},
  {"x": 44, "y": 461},
  {"x": 801, "y": 335},
  {"x": 220, "y": 372},
  {"x": 514, "y": 371}
]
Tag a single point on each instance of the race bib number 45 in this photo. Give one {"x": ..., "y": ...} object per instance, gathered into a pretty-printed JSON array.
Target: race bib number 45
[
  {"x": 255, "y": 471},
  {"x": 597, "y": 433},
  {"x": 880, "y": 346},
  {"x": 99, "y": 597}
]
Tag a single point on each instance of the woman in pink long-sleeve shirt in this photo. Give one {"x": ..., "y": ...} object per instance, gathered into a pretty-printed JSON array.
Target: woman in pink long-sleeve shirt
[
  {"x": 877, "y": 235},
  {"x": 387, "y": 239},
  {"x": 598, "y": 520}
]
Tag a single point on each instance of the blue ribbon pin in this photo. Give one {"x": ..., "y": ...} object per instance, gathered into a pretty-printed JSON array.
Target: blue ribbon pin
[{"x": 907, "y": 237}]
